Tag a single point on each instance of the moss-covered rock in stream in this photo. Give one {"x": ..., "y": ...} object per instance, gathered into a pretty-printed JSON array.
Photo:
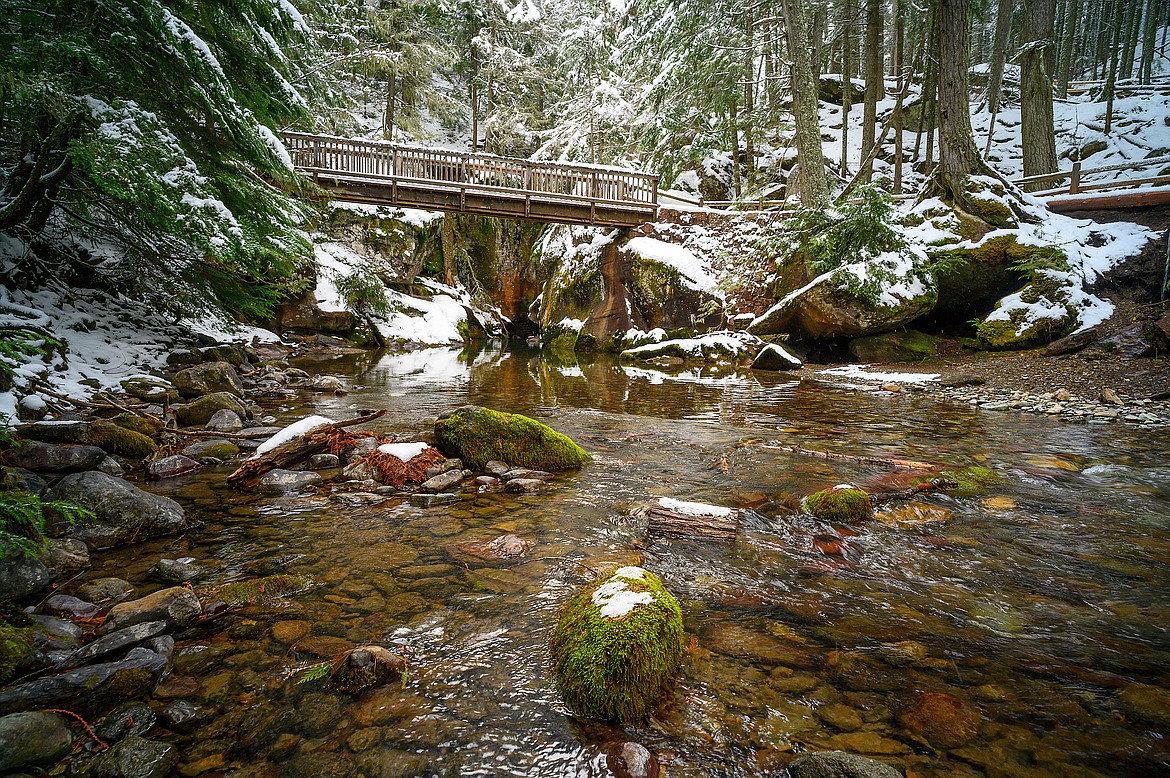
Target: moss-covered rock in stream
[
  {"x": 16, "y": 650},
  {"x": 1038, "y": 314},
  {"x": 257, "y": 590},
  {"x": 906, "y": 346},
  {"x": 150, "y": 427},
  {"x": 479, "y": 435},
  {"x": 119, "y": 440},
  {"x": 970, "y": 481},
  {"x": 841, "y": 503},
  {"x": 617, "y": 644}
]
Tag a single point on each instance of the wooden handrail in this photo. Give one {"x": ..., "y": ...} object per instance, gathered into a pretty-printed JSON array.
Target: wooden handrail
[{"x": 391, "y": 162}]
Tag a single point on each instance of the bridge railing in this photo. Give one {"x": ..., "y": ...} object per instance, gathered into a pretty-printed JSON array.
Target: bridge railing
[
  {"x": 1076, "y": 176},
  {"x": 375, "y": 160}
]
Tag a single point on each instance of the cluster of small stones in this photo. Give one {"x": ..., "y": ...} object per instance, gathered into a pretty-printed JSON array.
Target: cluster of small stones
[{"x": 1059, "y": 404}]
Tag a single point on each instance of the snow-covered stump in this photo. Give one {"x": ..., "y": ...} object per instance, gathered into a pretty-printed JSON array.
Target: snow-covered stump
[
  {"x": 692, "y": 520},
  {"x": 618, "y": 643}
]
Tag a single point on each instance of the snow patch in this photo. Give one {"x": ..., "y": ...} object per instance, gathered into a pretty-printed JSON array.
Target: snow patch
[
  {"x": 403, "y": 451},
  {"x": 615, "y": 599},
  {"x": 294, "y": 430},
  {"x": 859, "y": 371},
  {"x": 690, "y": 268},
  {"x": 693, "y": 508}
]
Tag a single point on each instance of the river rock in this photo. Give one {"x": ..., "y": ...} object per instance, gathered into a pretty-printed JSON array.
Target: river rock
[
  {"x": 177, "y": 606},
  {"x": 65, "y": 431},
  {"x": 497, "y": 468},
  {"x": 208, "y": 378},
  {"x": 150, "y": 389},
  {"x": 183, "y": 716},
  {"x": 442, "y": 481},
  {"x": 743, "y": 643},
  {"x": 121, "y": 511},
  {"x": 290, "y": 631},
  {"x": 1128, "y": 343},
  {"x": 18, "y": 479},
  {"x": 65, "y": 555},
  {"x": 198, "y": 412},
  {"x": 838, "y": 764},
  {"x": 366, "y": 666},
  {"x": 1147, "y": 703},
  {"x": 773, "y": 357},
  {"x": 111, "y": 467},
  {"x": 503, "y": 548},
  {"x": 172, "y": 467},
  {"x": 132, "y": 719},
  {"x": 630, "y": 760},
  {"x": 901, "y": 346},
  {"x": 616, "y": 645},
  {"x": 178, "y": 571},
  {"x": 112, "y": 642},
  {"x": 224, "y": 420},
  {"x": 54, "y": 634},
  {"x": 136, "y": 757},
  {"x": 431, "y": 500},
  {"x": 53, "y": 458},
  {"x": 198, "y": 659},
  {"x": 943, "y": 719},
  {"x": 479, "y": 435},
  {"x": 526, "y": 486},
  {"x": 21, "y": 576},
  {"x": 29, "y": 740},
  {"x": 1072, "y": 343},
  {"x": 94, "y": 688},
  {"x": 285, "y": 481},
  {"x": 216, "y": 448},
  {"x": 324, "y": 461},
  {"x": 68, "y": 607},
  {"x": 103, "y": 589}
]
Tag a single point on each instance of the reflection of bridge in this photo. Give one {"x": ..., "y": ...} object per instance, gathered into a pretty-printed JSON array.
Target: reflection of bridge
[{"x": 388, "y": 174}]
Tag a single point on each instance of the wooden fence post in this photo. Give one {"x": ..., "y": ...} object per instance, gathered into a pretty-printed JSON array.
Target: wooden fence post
[{"x": 1074, "y": 183}]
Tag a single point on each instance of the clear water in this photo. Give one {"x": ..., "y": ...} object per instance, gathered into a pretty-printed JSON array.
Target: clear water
[{"x": 1040, "y": 609}]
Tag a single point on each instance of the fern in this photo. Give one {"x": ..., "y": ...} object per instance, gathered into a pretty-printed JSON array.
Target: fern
[
  {"x": 312, "y": 673},
  {"x": 22, "y": 521}
]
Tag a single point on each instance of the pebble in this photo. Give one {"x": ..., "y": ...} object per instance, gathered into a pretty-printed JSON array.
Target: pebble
[{"x": 1062, "y": 405}]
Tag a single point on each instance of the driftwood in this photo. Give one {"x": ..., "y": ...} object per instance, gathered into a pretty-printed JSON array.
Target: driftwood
[
  {"x": 667, "y": 523},
  {"x": 907, "y": 464},
  {"x": 312, "y": 442},
  {"x": 905, "y": 494}
]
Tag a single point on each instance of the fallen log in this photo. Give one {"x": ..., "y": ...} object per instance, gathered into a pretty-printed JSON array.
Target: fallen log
[
  {"x": 907, "y": 464},
  {"x": 315, "y": 441},
  {"x": 719, "y": 524}
]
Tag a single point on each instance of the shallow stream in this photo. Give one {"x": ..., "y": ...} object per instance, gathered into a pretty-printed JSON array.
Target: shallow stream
[{"x": 1041, "y": 604}]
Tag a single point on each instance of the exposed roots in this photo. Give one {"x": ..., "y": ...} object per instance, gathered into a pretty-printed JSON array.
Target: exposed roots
[{"x": 396, "y": 473}]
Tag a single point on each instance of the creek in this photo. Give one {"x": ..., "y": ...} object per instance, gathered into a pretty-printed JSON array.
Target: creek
[{"x": 1041, "y": 603}]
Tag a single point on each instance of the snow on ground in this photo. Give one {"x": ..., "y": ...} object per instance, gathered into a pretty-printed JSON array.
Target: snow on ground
[
  {"x": 862, "y": 371},
  {"x": 693, "y": 508}
]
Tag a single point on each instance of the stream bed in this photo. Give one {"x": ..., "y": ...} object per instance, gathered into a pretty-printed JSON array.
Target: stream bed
[{"x": 1018, "y": 631}]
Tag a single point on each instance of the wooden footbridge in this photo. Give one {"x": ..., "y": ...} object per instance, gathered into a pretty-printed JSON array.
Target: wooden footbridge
[{"x": 379, "y": 173}]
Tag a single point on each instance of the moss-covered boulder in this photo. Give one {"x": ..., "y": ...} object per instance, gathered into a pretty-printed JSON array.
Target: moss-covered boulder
[
  {"x": 1043, "y": 311},
  {"x": 198, "y": 412},
  {"x": 207, "y": 378},
  {"x": 479, "y": 435},
  {"x": 841, "y": 503},
  {"x": 258, "y": 590},
  {"x": 970, "y": 481},
  {"x": 148, "y": 426},
  {"x": 16, "y": 650},
  {"x": 905, "y": 346},
  {"x": 617, "y": 644},
  {"x": 124, "y": 442},
  {"x": 150, "y": 389}
]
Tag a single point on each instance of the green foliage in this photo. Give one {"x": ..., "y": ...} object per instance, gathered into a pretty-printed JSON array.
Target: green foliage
[
  {"x": 19, "y": 345},
  {"x": 22, "y": 521},
  {"x": 312, "y": 673},
  {"x": 614, "y": 668},
  {"x": 971, "y": 480},
  {"x": 120, "y": 440},
  {"x": 149, "y": 427},
  {"x": 479, "y": 435},
  {"x": 363, "y": 292},
  {"x": 839, "y": 504}
]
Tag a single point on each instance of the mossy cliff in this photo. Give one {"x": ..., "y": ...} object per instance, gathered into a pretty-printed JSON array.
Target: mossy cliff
[
  {"x": 617, "y": 644},
  {"x": 841, "y": 503},
  {"x": 479, "y": 435}
]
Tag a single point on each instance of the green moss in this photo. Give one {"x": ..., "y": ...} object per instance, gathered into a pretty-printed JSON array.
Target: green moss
[
  {"x": 256, "y": 590},
  {"x": 220, "y": 451},
  {"x": 120, "y": 441},
  {"x": 614, "y": 668},
  {"x": 971, "y": 480},
  {"x": 478, "y": 435},
  {"x": 840, "y": 503},
  {"x": 140, "y": 424},
  {"x": 16, "y": 649}
]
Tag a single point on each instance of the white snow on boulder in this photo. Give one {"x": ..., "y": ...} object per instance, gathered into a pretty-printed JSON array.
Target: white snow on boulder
[{"x": 690, "y": 268}]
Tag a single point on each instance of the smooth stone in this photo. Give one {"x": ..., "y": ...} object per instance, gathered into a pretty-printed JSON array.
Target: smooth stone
[
  {"x": 431, "y": 500},
  {"x": 224, "y": 420},
  {"x": 184, "y": 716},
  {"x": 774, "y": 358},
  {"x": 90, "y": 688},
  {"x": 112, "y": 642},
  {"x": 65, "y": 555},
  {"x": 172, "y": 467},
  {"x": 197, "y": 659},
  {"x": 324, "y": 461},
  {"x": 630, "y": 760},
  {"x": 217, "y": 448},
  {"x": 208, "y": 378},
  {"x": 868, "y": 743},
  {"x": 441, "y": 482},
  {"x": 840, "y": 716},
  {"x": 30, "y": 740},
  {"x": 285, "y": 481},
  {"x": 136, "y": 757},
  {"x": 496, "y": 468},
  {"x": 288, "y": 632},
  {"x": 50, "y": 458},
  {"x": 838, "y": 764},
  {"x": 198, "y": 412},
  {"x": 68, "y": 607},
  {"x": 132, "y": 719},
  {"x": 324, "y": 646},
  {"x": 121, "y": 511},
  {"x": 101, "y": 589},
  {"x": 178, "y": 571},
  {"x": 21, "y": 576},
  {"x": 56, "y": 634},
  {"x": 177, "y": 606},
  {"x": 526, "y": 486}
]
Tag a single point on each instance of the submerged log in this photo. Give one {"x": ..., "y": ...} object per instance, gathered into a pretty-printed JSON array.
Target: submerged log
[
  {"x": 692, "y": 523},
  {"x": 312, "y": 442},
  {"x": 907, "y": 464}
]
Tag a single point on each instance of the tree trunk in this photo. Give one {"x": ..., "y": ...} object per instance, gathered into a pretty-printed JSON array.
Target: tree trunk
[
  {"x": 733, "y": 125},
  {"x": 1068, "y": 56},
  {"x": 958, "y": 157},
  {"x": 874, "y": 85},
  {"x": 1003, "y": 29},
  {"x": 899, "y": 54},
  {"x": 1113, "y": 52},
  {"x": 1037, "y": 131},
  {"x": 846, "y": 83},
  {"x": 816, "y": 39},
  {"x": 749, "y": 97},
  {"x": 814, "y": 187},
  {"x": 1132, "y": 34},
  {"x": 391, "y": 100},
  {"x": 1149, "y": 41}
]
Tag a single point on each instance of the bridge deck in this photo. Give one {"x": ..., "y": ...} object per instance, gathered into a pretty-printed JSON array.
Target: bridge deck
[{"x": 434, "y": 179}]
